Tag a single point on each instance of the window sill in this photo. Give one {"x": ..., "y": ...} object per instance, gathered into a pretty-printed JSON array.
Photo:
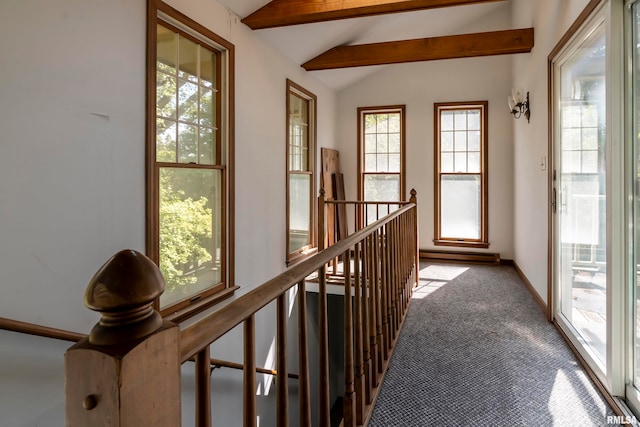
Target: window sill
[
  {"x": 301, "y": 256},
  {"x": 461, "y": 243},
  {"x": 199, "y": 306}
]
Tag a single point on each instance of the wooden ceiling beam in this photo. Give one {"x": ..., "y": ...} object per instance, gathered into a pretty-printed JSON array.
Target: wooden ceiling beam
[
  {"x": 429, "y": 49},
  {"x": 280, "y": 13}
]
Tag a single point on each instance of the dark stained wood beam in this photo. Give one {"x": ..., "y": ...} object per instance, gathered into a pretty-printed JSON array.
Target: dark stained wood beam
[
  {"x": 429, "y": 49},
  {"x": 280, "y": 13}
]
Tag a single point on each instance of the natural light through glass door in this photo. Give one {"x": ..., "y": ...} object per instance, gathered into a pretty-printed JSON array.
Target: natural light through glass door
[
  {"x": 635, "y": 183},
  {"x": 581, "y": 191}
]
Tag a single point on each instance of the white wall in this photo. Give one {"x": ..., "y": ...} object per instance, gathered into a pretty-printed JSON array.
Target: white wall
[
  {"x": 72, "y": 177},
  {"x": 72, "y": 111},
  {"x": 418, "y": 86},
  {"x": 551, "y": 19},
  {"x": 72, "y": 151}
]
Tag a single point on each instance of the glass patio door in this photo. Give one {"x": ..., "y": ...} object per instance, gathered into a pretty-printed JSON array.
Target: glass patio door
[
  {"x": 633, "y": 391},
  {"x": 580, "y": 240}
]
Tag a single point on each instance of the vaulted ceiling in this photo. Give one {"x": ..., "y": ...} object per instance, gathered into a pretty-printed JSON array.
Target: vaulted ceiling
[{"x": 342, "y": 41}]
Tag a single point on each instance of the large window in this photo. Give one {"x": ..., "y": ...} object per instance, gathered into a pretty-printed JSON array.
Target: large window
[
  {"x": 381, "y": 158},
  {"x": 188, "y": 158},
  {"x": 301, "y": 114},
  {"x": 461, "y": 174}
]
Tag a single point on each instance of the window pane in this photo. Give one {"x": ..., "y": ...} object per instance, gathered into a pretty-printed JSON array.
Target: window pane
[
  {"x": 590, "y": 116},
  {"x": 370, "y": 163},
  {"x": 460, "y": 162},
  {"x": 167, "y": 51},
  {"x": 571, "y": 161},
  {"x": 571, "y": 139},
  {"x": 187, "y": 144},
  {"x": 394, "y": 162},
  {"x": 165, "y": 95},
  {"x": 589, "y": 162},
  {"x": 474, "y": 120},
  {"x": 208, "y": 65},
  {"x": 473, "y": 141},
  {"x": 382, "y": 123},
  {"x": 394, "y": 143},
  {"x": 383, "y": 163},
  {"x": 207, "y": 108},
  {"x": 370, "y": 142},
  {"x": 446, "y": 141},
  {"x": 447, "y": 163},
  {"x": 382, "y": 145},
  {"x": 571, "y": 117},
  {"x": 369, "y": 123},
  {"x": 460, "y": 141},
  {"x": 474, "y": 162},
  {"x": 446, "y": 120},
  {"x": 299, "y": 211},
  {"x": 460, "y": 120},
  {"x": 188, "y": 102},
  {"x": 394, "y": 122},
  {"x": 207, "y": 146},
  {"x": 165, "y": 140},
  {"x": 590, "y": 138},
  {"x": 460, "y": 206},
  {"x": 188, "y": 53},
  {"x": 382, "y": 188},
  {"x": 190, "y": 231}
]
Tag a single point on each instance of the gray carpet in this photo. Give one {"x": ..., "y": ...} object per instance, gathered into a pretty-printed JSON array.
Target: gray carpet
[{"x": 476, "y": 350}]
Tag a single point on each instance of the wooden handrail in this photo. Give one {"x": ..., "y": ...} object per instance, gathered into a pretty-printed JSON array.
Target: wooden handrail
[
  {"x": 380, "y": 268},
  {"x": 209, "y": 329},
  {"x": 39, "y": 330}
]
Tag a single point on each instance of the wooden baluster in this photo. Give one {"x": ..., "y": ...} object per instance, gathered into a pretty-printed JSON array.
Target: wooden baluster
[
  {"x": 323, "y": 345},
  {"x": 321, "y": 221},
  {"x": 282, "y": 379},
  {"x": 391, "y": 286},
  {"x": 203, "y": 387},
  {"x": 303, "y": 358},
  {"x": 249, "y": 383},
  {"x": 384, "y": 293},
  {"x": 359, "y": 361},
  {"x": 373, "y": 313},
  {"x": 366, "y": 343},
  {"x": 404, "y": 241},
  {"x": 398, "y": 276},
  {"x": 378, "y": 291},
  {"x": 393, "y": 278},
  {"x": 103, "y": 375},
  {"x": 416, "y": 245},
  {"x": 349, "y": 409}
]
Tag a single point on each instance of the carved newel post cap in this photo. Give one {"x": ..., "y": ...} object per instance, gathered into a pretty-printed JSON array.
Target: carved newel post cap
[{"x": 123, "y": 291}]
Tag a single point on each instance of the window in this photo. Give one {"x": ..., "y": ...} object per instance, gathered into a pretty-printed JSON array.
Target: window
[
  {"x": 461, "y": 174},
  {"x": 188, "y": 159},
  {"x": 381, "y": 157},
  {"x": 301, "y": 117}
]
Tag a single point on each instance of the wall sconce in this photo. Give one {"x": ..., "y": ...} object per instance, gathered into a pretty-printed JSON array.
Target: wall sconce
[{"x": 518, "y": 104}]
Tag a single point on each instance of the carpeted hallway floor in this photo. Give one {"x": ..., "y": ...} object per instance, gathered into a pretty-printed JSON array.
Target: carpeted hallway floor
[{"x": 476, "y": 350}]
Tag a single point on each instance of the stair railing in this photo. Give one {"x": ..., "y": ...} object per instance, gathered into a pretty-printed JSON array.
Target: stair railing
[{"x": 127, "y": 371}]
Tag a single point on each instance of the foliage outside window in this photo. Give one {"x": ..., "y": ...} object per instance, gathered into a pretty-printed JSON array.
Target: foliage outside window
[
  {"x": 381, "y": 158},
  {"x": 461, "y": 174},
  {"x": 301, "y": 105},
  {"x": 187, "y": 162}
]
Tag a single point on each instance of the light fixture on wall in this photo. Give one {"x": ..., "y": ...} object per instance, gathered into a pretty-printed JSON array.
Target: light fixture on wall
[{"x": 519, "y": 104}]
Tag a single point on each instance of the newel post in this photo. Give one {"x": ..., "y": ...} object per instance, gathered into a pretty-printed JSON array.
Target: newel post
[{"x": 127, "y": 372}]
